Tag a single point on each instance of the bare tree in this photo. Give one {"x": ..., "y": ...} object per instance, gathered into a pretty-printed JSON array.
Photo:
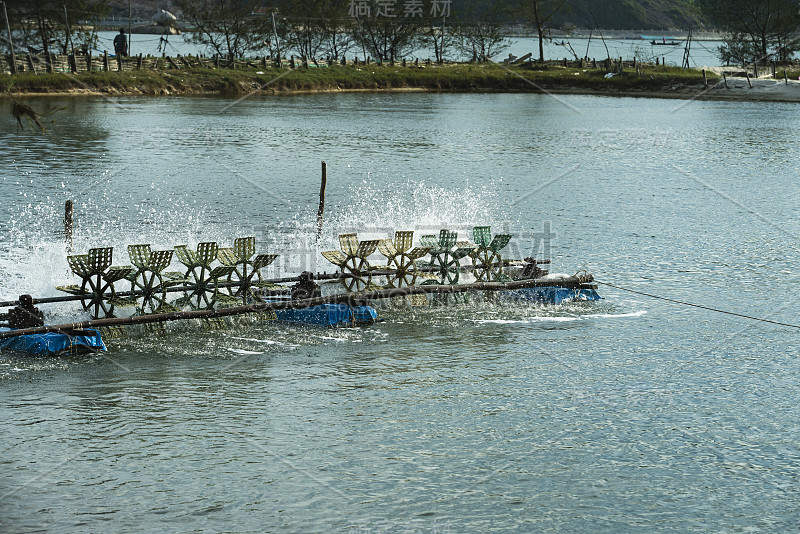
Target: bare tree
[
  {"x": 231, "y": 28},
  {"x": 318, "y": 27},
  {"x": 42, "y": 25},
  {"x": 438, "y": 34},
  {"x": 387, "y": 39},
  {"x": 540, "y": 13},
  {"x": 337, "y": 28},
  {"x": 758, "y": 29},
  {"x": 479, "y": 29}
]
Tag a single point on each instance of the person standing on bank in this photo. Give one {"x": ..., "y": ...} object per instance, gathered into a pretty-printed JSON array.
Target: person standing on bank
[{"x": 121, "y": 43}]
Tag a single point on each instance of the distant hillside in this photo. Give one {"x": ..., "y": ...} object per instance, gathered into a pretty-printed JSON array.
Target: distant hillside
[
  {"x": 631, "y": 14},
  {"x": 610, "y": 14}
]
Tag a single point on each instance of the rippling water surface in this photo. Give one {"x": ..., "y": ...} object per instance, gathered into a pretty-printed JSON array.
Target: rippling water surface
[{"x": 629, "y": 414}]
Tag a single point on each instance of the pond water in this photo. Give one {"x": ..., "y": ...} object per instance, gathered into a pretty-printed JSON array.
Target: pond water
[{"x": 627, "y": 414}]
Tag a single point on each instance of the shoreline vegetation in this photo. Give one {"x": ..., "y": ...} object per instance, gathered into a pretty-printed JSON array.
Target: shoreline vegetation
[{"x": 553, "y": 77}]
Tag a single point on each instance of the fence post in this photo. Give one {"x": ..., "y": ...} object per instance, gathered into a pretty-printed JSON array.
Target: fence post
[
  {"x": 105, "y": 60},
  {"x": 89, "y": 61}
]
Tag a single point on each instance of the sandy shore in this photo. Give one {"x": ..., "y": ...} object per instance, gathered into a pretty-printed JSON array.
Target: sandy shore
[{"x": 758, "y": 89}]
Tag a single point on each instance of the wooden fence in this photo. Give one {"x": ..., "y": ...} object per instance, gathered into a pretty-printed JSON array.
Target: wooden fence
[{"x": 75, "y": 63}]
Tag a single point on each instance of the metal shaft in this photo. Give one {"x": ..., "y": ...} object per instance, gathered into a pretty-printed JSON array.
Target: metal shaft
[{"x": 349, "y": 298}]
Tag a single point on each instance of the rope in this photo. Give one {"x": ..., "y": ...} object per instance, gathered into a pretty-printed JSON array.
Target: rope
[{"x": 697, "y": 305}]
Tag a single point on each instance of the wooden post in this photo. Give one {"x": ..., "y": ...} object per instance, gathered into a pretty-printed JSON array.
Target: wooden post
[
  {"x": 105, "y": 60},
  {"x": 32, "y": 65},
  {"x": 321, "y": 210},
  {"x": 73, "y": 64},
  {"x": 565, "y": 62},
  {"x": 705, "y": 79},
  {"x": 773, "y": 70},
  {"x": 89, "y": 61},
  {"x": 725, "y": 79},
  {"x": 747, "y": 75},
  {"x": 68, "y": 224},
  {"x": 264, "y": 62},
  {"x": 139, "y": 62},
  {"x": 10, "y": 42},
  {"x": 785, "y": 78}
]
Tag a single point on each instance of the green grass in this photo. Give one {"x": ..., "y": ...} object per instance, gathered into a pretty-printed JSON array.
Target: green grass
[{"x": 455, "y": 78}]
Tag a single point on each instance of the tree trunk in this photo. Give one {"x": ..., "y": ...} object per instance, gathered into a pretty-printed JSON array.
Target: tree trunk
[{"x": 540, "y": 31}]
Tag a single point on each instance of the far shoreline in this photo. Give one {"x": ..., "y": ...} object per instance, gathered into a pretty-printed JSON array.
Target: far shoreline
[{"x": 645, "y": 81}]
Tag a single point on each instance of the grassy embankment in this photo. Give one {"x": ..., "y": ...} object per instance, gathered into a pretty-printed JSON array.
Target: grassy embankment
[{"x": 448, "y": 78}]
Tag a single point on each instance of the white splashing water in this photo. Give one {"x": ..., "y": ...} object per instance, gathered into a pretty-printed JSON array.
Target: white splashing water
[{"x": 34, "y": 261}]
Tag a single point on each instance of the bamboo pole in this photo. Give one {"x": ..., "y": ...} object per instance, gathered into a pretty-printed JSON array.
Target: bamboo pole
[
  {"x": 10, "y": 42},
  {"x": 321, "y": 209},
  {"x": 70, "y": 44},
  {"x": 130, "y": 29},
  {"x": 346, "y": 298},
  {"x": 68, "y": 224}
]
